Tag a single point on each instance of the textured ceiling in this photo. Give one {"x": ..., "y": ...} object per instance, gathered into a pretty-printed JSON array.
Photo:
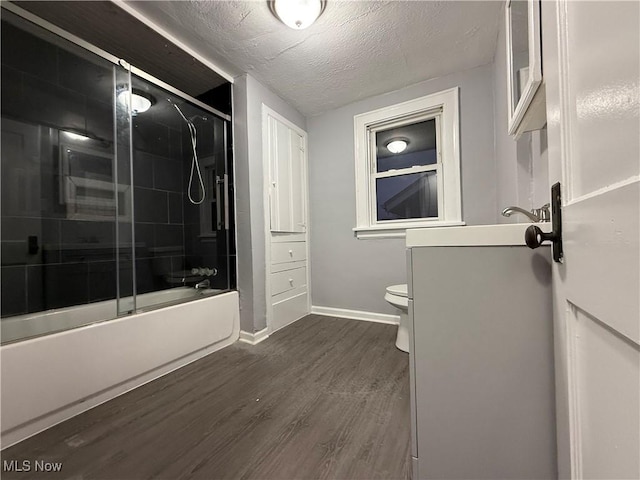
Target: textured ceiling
[{"x": 355, "y": 50}]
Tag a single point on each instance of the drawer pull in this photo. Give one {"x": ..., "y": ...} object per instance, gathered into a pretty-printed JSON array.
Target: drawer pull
[
  {"x": 291, "y": 253},
  {"x": 291, "y": 282}
]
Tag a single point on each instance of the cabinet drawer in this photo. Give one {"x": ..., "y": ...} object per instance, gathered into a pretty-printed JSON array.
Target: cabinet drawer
[
  {"x": 288, "y": 252},
  {"x": 288, "y": 280}
]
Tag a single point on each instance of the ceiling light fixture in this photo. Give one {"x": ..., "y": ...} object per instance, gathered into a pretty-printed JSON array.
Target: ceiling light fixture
[
  {"x": 297, "y": 14},
  {"x": 76, "y": 136},
  {"x": 140, "y": 101},
  {"x": 397, "y": 145}
]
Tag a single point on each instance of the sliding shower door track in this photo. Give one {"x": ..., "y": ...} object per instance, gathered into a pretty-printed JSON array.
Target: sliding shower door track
[{"x": 111, "y": 58}]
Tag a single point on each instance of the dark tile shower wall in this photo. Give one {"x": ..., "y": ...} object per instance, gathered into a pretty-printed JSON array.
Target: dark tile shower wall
[
  {"x": 231, "y": 248},
  {"x": 46, "y": 89},
  {"x": 48, "y": 259},
  {"x": 200, "y": 251},
  {"x": 158, "y": 206},
  {"x": 203, "y": 250}
]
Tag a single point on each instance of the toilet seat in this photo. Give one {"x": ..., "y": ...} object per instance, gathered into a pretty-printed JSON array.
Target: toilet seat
[{"x": 398, "y": 296}]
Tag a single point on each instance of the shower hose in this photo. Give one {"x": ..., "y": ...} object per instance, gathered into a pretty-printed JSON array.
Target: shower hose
[{"x": 195, "y": 164}]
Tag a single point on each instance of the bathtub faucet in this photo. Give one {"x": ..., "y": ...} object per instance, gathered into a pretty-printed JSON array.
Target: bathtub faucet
[
  {"x": 541, "y": 214},
  {"x": 203, "y": 284}
]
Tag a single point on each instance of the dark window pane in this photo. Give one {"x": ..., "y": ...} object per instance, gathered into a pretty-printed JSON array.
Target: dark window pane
[
  {"x": 420, "y": 150},
  {"x": 407, "y": 196}
]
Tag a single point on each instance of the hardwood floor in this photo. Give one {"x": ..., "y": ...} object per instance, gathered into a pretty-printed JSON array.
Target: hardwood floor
[{"x": 323, "y": 398}]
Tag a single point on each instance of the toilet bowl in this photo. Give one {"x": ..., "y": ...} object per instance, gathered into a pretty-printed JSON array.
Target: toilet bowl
[{"x": 397, "y": 295}]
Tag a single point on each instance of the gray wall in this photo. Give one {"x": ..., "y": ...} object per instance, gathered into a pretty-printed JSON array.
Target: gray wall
[
  {"x": 248, "y": 97},
  {"x": 521, "y": 166},
  {"x": 497, "y": 171},
  {"x": 350, "y": 273}
]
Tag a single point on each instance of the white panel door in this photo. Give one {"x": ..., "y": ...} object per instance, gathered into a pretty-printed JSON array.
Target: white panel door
[
  {"x": 592, "y": 58},
  {"x": 298, "y": 183},
  {"x": 287, "y": 177}
]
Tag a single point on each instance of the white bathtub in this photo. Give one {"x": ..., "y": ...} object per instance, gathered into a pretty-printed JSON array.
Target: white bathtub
[
  {"x": 42, "y": 323},
  {"x": 48, "y": 379}
]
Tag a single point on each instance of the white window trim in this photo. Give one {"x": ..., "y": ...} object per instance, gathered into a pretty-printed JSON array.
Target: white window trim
[{"x": 449, "y": 147}]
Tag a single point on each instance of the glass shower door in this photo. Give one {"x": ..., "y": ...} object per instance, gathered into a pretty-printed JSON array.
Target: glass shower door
[
  {"x": 66, "y": 196},
  {"x": 115, "y": 187},
  {"x": 123, "y": 180},
  {"x": 181, "y": 191}
]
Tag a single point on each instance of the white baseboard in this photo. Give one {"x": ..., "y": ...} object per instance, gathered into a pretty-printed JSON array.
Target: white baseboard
[
  {"x": 253, "y": 338},
  {"x": 355, "y": 315}
]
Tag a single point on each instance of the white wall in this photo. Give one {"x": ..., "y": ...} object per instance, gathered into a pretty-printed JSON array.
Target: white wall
[
  {"x": 521, "y": 166},
  {"x": 248, "y": 97},
  {"x": 350, "y": 273}
]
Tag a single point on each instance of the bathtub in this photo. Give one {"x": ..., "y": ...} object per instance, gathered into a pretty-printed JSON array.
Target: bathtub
[
  {"x": 50, "y": 378},
  {"x": 41, "y": 323}
]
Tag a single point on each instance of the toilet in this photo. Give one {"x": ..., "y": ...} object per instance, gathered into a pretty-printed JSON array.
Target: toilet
[{"x": 397, "y": 295}]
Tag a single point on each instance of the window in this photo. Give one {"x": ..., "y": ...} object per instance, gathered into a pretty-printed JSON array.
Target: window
[{"x": 408, "y": 166}]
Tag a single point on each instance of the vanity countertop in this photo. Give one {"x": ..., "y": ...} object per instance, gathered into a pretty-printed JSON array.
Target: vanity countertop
[{"x": 509, "y": 234}]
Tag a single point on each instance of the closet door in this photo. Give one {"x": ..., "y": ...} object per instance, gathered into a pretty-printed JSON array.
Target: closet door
[
  {"x": 287, "y": 198},
  {"x": 298, "y": 183}
]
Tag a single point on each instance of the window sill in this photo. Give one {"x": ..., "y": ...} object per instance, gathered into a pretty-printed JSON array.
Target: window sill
[{"x": 397, "y": 231}]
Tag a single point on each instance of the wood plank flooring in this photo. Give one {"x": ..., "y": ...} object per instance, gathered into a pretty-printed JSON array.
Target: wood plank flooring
[{"x": 323, "y": 398}]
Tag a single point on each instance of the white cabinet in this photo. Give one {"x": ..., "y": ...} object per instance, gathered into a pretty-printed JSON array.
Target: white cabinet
[
  {"x": 526, "y": 90},
  {"x": 285, "y": 161},
  {"x": 287, "y": 185},
  {"x": 481, "y": 362},
  {"x": 288, "y": 280}
]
